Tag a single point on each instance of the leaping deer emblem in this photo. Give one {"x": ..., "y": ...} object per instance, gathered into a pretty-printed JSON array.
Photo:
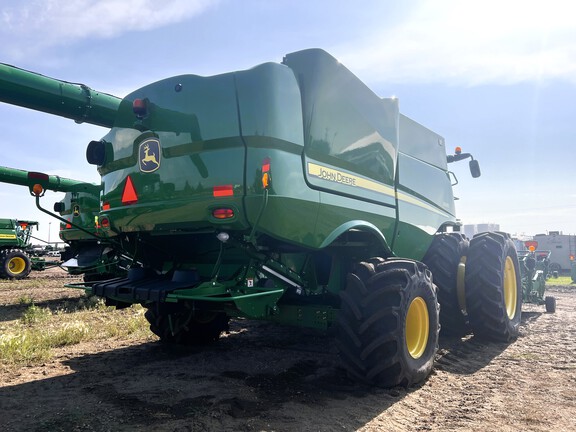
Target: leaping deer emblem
[{"x": 149, "y": 158}]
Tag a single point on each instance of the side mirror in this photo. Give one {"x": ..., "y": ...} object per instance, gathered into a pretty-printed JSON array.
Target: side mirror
[{"x": 474, "y": 168}]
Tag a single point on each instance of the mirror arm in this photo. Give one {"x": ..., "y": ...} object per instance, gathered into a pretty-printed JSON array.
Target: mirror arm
[{"x": 458, "y": 157}]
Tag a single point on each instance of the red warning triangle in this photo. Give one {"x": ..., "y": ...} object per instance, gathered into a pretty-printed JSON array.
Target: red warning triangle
[{"x": 129, "y": 195}]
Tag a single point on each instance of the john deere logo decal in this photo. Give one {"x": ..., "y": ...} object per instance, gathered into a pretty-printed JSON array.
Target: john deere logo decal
[{"x": 149, "y": 155}]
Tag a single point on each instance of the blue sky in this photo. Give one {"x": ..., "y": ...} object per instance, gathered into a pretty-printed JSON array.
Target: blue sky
[{"x": 496, "y": 77}]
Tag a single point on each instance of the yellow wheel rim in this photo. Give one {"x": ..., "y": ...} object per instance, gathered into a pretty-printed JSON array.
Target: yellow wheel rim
[
  {"x": 16, "y": 265},
  {"x": 510, "y": 288},
  {"x": 417, "y": 327}
]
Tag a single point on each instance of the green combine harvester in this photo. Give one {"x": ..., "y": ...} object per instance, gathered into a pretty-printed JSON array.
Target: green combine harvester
[
  {"x": 86, "y": 254},
  {"x": 288, "y": 192}
]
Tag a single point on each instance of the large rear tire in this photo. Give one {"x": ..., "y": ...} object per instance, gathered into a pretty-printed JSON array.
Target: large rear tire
[
  {"x": 14, "y": 264},
  {"x": 446, "y": 259},
  {"x": 493, "y": 287},
  {"x": 387, "y": 328},
  {"x": 178, "y": 324}
]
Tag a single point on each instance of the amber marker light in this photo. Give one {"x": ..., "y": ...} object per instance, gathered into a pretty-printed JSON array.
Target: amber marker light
[
  {"x": 266, "y": 179},
  {"x": 37, "y": 189}
]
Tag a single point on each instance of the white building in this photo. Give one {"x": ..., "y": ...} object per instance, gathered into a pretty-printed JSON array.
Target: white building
[{"x": 471, "y": 230}]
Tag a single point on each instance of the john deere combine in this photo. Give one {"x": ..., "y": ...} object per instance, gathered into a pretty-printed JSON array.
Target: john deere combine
[
  {"x": 288, "y": 192},
  {"x": 78, "y": 213}
]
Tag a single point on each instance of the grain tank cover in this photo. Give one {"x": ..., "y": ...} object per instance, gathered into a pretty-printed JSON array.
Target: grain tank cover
[{"x": 351, "y": 134}]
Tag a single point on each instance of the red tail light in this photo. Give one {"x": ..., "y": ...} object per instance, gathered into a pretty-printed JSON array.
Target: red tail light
[
  {"x": 266, "y": 165},
  {"x": 105, "y": 222},
  {"x": 140, "y": 108},
  {"x": 223, "y": 213}
]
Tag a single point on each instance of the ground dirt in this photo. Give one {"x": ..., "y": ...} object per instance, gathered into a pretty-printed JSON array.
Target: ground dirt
[{"x": 264, "y": 377}]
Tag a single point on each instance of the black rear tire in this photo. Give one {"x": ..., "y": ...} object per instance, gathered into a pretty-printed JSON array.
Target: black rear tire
[
  {"x": 493, "y": 287},
  {"x": 178, "y": 324},
  {"x": 14, "y": 264},
  {"x": 446, "y": 259},
  {"x": 387, "y": 328}
]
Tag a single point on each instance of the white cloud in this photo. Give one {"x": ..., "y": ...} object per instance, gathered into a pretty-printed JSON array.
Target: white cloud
[
  {"x": 469, "y": 43},
  {"x": 48, "y": 23}
]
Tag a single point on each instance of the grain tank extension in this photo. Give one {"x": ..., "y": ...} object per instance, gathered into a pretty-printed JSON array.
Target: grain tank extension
[{"x": 290, "y": 192}]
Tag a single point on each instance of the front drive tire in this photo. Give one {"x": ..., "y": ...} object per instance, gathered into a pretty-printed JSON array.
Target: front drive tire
[
  {"x": 493, "y": 287},
  {"x": 387, "y": 327}
]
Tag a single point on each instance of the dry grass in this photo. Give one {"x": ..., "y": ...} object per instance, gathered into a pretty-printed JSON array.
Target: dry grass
[{"x": 32, "y": 338}]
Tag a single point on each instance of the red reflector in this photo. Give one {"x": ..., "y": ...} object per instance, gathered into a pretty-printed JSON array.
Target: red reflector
[
  {"x": 223, "y": 213},
  {"x": 38, "y": 176},
  {"x": 265, "y": 165},
  {"x": 129, "y": 195},
  {"x": 106, "y": 206},
  {"x": 68, "y": 226},
  {"x": 222, "y": 191},
  {"x": 105, "y": 222}
]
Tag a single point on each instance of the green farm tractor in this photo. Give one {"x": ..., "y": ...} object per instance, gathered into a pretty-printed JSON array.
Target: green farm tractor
[
  {"x": 15, "y": 262},
  {"x": 288, "y": 192},
  {"x": 535, "y": 270},
  {"x": 86, "y": 254}
]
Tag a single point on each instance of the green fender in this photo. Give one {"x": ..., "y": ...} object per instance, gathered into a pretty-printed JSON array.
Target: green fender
[{"x": 358, "y": 225}]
